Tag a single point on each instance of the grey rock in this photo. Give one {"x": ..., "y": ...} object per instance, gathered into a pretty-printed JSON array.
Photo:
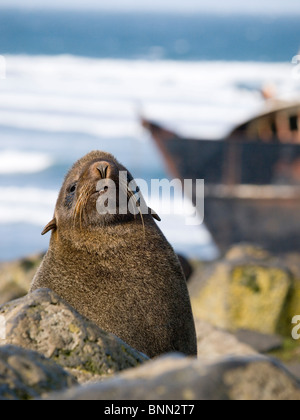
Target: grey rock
[
  {"x": 294, "y": 369},
  {"x": 25, "y": 375},
  {"x": 262, "y": 343},
  {"x": 215, "y": 343},
  {"x": 43, "y": 322},
  {"x": 175, "y": 378}
]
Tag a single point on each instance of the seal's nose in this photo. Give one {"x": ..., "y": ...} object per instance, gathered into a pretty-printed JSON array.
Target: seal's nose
[{"x": 103, "y": 168}]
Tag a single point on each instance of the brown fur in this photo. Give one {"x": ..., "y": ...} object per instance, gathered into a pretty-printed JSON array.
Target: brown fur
[{"x": 118, "y": 271}]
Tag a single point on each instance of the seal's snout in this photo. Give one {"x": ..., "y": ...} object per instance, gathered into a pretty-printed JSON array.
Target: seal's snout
[{"x": 103, "y": 168}]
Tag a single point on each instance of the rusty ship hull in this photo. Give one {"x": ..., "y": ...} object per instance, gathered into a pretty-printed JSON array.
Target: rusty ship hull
[{"x": 252, "y": 180}]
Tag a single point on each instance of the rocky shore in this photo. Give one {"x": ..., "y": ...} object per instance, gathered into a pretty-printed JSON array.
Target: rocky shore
[{"x": 243, "y": 305}]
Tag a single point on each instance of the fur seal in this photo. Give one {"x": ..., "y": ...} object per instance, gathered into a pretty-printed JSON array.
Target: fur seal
[{"x": 118, "y": 270}]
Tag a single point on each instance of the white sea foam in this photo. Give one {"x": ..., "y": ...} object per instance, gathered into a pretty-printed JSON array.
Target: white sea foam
[
  {"x": 26, "y": 205},
  {"x": 101, "y": 97},
  {"x": 16, "y": 162}
]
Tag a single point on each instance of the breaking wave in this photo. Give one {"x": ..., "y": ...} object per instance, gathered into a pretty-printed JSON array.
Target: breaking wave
[
  {"x": 17, "y": 162},
  {"x": 26, "y": 205}
]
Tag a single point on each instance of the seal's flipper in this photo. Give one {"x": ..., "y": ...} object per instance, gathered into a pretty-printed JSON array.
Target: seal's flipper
[
  {"x": 51, "y": 226},
  {"x": 154, "y": 215}
]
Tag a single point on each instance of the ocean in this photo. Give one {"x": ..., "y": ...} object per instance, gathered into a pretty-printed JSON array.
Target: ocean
[{"x": 75, "y": 82}]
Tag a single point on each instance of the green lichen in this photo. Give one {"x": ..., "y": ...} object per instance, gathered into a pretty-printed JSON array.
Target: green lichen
[
  {"x": 91, "y": 367},
  {"x": 249, "y": 279},
  {"x": 74, "y": 329}
]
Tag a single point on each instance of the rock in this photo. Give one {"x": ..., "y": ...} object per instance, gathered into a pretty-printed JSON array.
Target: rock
[
  {"x": 262, "y": 343},
  {"x": 292, "y": 261},
  {"x": 43, "y": 322},
  {"x": 294, "y": 369},
  {"x": 247, "y": 289},
  {"x": 178, "y": 379},
  {"x": 214, "y": 343},
  {"x": 244, "y": 252},
  {"x": 16, "y": 277},
  {"x": 25, "y": 375}
]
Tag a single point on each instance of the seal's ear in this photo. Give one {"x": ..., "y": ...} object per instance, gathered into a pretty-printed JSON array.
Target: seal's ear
[
  {"x": 51, "y": 226},
  {"x": 154, "y": 215}
]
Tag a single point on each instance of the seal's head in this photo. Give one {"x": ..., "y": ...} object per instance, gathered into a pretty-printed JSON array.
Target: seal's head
[{"x": 98, "y": 191}]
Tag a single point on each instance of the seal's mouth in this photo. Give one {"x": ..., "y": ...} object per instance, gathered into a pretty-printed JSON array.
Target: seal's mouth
[
  {"x": 102, "y": 191},
  {"x": 99, "y": 192}
]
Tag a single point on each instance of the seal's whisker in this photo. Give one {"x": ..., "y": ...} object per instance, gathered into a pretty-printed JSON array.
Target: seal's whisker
[
  {"x": 77, "y": 208},
  {"x": 130, "y": 194},
  {"x": 81, "y": 204}
]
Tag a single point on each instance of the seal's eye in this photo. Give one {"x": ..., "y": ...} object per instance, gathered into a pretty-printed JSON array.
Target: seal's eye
[
  {"x": 70, "y": 195},
  {"x": 72, "y": 188}
]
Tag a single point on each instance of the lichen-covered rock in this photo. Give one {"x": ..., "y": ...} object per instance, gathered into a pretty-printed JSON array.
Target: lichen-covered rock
[
  {"x": 16, "y": 277},
  {"x": 175, "y": 378},
  {"x": 25, "y": 375},
  {"x": 244, "y": 252},
  {"x": 248, "y": 289},
  {"x": 43, "y": 322}
]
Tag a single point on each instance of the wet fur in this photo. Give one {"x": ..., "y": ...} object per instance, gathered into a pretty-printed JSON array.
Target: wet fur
[{"x": 121, "y": 272}]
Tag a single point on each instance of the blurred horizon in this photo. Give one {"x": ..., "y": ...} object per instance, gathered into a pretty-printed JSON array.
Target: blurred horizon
[
  {"x": 256, "y": 7},
  {"x": 161, "y": 37}
]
